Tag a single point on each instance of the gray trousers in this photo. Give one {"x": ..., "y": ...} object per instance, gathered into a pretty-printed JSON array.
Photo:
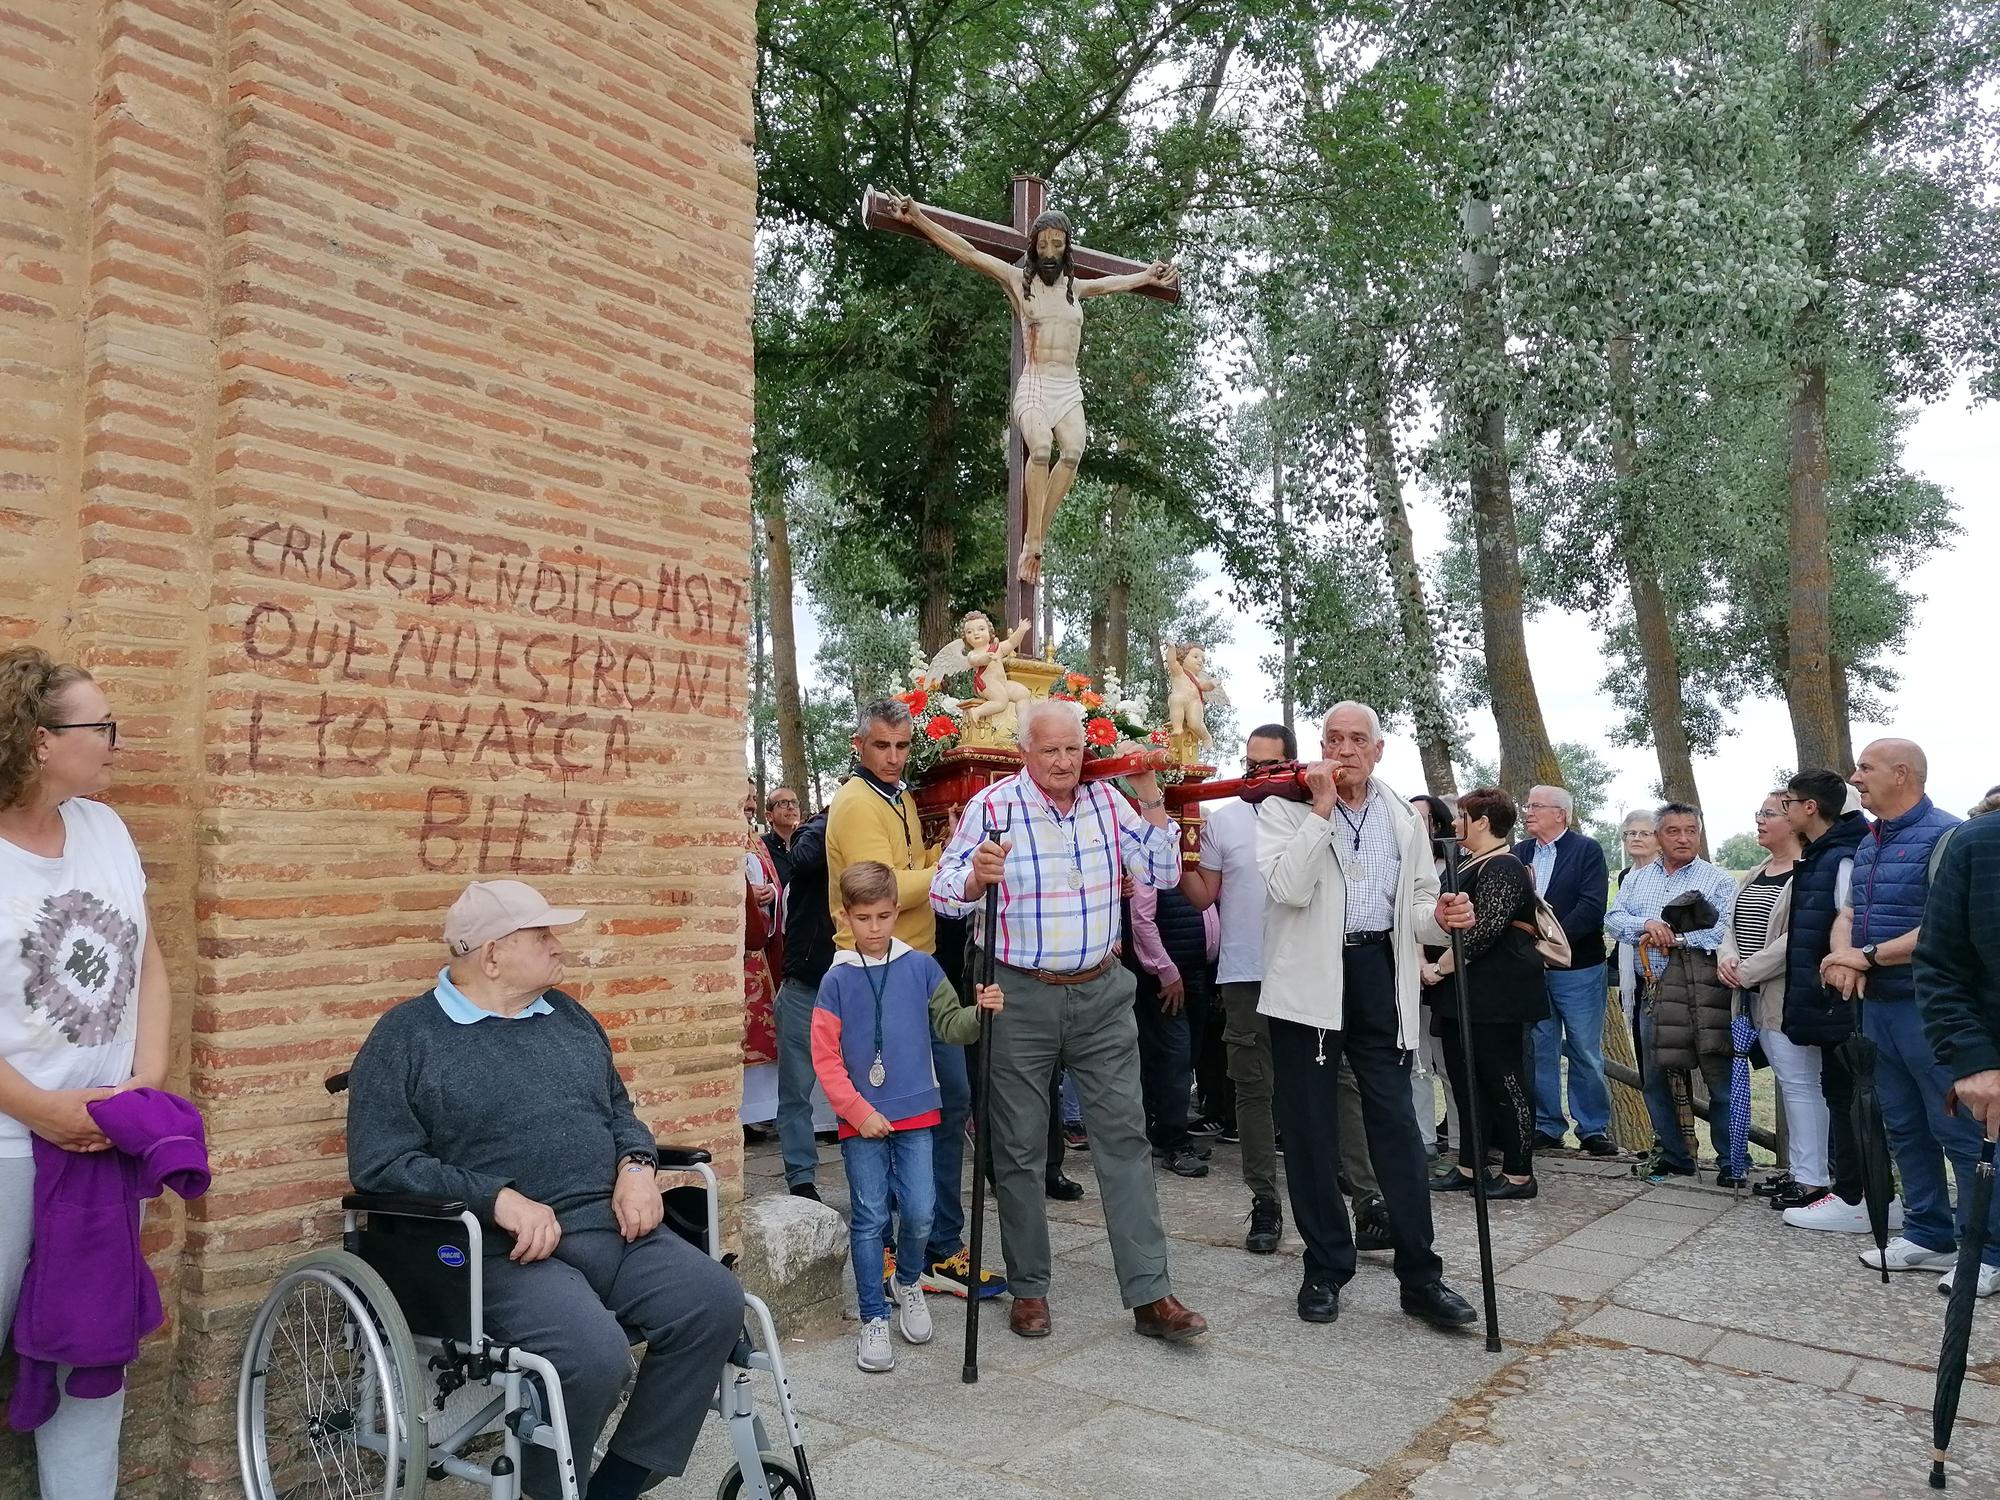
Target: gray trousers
[
  {"x": 1247, "y": 1035},
  {"x": 76, "y": 1450},
  {"x": 1088, "y": 1030},
  {"x": 585, "y": 1306}
]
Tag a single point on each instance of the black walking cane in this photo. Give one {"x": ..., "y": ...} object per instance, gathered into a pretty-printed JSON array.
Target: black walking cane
[
  {"x": 1470, "y": 1126},
  {"x": 982, "y": 1148}
]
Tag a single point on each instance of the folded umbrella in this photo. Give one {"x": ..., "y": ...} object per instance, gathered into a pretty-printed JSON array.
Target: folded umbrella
[
  {"x": 1865, "y": 1113},
  {"x": 1742, "y": 1037},
  {"x": 1958, "y": 1315}
]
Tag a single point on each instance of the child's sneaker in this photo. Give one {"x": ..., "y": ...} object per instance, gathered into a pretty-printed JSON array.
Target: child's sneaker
[
  {"x": 914, "y": 1316},
  {"x": 877, "y": 1354}
]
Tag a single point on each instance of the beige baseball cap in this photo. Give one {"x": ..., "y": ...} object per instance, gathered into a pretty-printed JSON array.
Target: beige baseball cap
[{"x": 491, "y": 909}]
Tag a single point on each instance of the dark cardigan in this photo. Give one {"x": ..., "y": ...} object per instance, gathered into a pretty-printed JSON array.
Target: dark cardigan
[{"x": 1502, "y": 969}]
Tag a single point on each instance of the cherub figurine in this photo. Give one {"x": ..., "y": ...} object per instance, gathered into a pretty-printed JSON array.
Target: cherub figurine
[
  {"x": 977, "y": 652},
  {"x": 1189, "y": 690}
]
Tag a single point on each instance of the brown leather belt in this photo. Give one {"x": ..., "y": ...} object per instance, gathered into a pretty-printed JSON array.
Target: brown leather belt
[{"x": 1070, "y": 976}]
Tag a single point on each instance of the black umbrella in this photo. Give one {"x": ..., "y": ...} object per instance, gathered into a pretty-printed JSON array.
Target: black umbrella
[
  {"x": 982, "y": 1138},
  {"x": 1865, "y": 1112},
  {"x": 1958, "y": 1315}
]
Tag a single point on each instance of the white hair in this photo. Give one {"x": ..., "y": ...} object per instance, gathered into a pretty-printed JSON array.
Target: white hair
[
  {"x": 1374, "y": 719},
  {"x": 1557, "y": 798},
  {"x": 1638, "y": 815},
  {"x": 1041, "y": 708}
]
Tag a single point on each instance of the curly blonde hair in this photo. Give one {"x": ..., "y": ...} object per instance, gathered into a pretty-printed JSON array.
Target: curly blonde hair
[{"x": 30, "y": 683}]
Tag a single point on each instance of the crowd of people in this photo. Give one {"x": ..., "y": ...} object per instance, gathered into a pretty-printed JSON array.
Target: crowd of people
[{"x": 1291, "y": 993}]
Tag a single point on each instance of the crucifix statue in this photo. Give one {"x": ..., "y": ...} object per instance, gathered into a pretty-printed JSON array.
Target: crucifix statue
[{"x": 1043, "y": 273}]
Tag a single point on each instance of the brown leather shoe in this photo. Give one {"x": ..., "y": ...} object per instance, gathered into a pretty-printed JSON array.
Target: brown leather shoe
[
  {"x": 1029, "y": 1317},
  {"x": 1169, "y": 1319}
]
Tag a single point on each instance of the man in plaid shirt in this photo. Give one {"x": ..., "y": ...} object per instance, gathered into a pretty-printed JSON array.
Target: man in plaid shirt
[{"x": 1057, "y": 849}]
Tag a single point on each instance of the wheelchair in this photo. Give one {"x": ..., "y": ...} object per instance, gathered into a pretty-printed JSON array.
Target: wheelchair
[{"x": 368, "y": 1370}]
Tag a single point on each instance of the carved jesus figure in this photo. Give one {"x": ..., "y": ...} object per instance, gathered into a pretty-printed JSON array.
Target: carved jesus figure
[{"x": 1048, "y": 399}]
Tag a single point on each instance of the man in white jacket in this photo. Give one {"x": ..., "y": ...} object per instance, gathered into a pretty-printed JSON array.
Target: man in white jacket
[{"x": 1352, "y": 893}]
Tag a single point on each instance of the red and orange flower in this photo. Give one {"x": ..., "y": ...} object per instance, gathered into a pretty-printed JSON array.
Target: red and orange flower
[
  {"x": 916, "y": 699},
  {"x": 1075, "y": 681},
  {"x": 1101, "y": 732},
  {"x": 941, "y": 727},
  {"x": 1091, "y": 700}
]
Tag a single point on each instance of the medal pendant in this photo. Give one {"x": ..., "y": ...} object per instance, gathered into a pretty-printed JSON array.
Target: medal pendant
[
  {"x": 1075, "y": 878},
  {"x": 877, "y": 1074}
]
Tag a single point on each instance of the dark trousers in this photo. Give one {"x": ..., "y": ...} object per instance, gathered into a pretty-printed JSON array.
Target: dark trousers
[
  {"x": 1505, "y": 1100},
  {"x": 1307, "y": 1064},
  {"x": 1166, "y": 1062},
  {"x": 585, "y": 1306},
  {"x": 1212, "y": 1086},
  {"x": 1836, "y": 1085}
]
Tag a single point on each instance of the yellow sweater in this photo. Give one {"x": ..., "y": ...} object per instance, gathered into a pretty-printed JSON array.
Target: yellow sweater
[{"x": 861, "y": 824}]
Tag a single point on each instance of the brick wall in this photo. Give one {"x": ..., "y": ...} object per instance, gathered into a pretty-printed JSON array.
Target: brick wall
[{"x": 374, "y": 419}]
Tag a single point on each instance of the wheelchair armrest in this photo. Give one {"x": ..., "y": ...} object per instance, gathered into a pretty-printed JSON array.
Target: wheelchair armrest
[
  {"x": 672, "y": 1157},
  {"x": 409, "y": 1205}
]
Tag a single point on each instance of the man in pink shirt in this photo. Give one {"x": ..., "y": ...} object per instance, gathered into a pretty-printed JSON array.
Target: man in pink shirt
[{"x": 1176, "y": 946}]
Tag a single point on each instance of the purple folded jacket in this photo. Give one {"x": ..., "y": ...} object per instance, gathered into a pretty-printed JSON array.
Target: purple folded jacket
[{"x": 88, "y": 1297}]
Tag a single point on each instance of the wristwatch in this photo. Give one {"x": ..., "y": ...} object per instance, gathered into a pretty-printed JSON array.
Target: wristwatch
[
  {"x": 1868, "y": 952},
  {"x": 634, "y": 1161}
]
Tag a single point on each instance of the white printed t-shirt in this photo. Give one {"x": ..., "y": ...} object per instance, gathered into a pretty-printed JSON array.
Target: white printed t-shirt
[
  {"x": 72, "y": 935},
  {"x": 1229, "y": 846}
]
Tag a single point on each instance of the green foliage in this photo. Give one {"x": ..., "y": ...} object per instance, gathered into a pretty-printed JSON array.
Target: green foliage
[
  {"x": 1740, "y": 851},
  {"x": 1586, "y": 777}
]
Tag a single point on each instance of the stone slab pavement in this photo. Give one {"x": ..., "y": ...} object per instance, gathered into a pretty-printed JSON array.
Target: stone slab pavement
[{"x": 1658, "y": 1342}]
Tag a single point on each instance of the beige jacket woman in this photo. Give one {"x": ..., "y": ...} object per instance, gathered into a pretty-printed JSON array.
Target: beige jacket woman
[{"x": 1764, "y": 970}]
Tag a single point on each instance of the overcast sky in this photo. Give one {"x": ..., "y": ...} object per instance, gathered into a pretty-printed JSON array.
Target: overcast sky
[{"x": 1947, "y": 701}]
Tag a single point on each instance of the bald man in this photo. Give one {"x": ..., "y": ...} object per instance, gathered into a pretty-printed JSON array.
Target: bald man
[{"x": 1874, "y": 937}]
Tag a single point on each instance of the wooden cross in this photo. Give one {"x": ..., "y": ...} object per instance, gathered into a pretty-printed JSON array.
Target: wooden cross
[{"x": 1010, "y": 242}]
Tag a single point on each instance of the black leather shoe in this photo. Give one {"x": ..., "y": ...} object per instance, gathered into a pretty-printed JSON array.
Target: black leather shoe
[
  {"x": 806, "y": 1190},
  {"x": 1267, "y": 1226},
  {"x": 1371, "y": 1224},
  {"x": 1062, "y": 1189},
  {"x": 1319, "y": 1302},
  {"x": 1600, "y": 1146},
  {"x": 1546, "y": 1142},
  {"x": 1438, "y": 1305},
  {"x": 1451, "y": 1181},
  {"x": 1497, "y": 1187}
]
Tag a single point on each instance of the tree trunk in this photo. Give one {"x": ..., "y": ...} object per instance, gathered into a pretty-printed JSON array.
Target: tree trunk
[
  {"x": 1527, "y": 758},
  {"x": 759, "y": 593},
  {"x": 1118, "y": 593},
  {"x": 937, "y": 535},
  {"x": 786, "y": 702},
  {"x": 1843, "y": 718},
  {"x": 1287, "y": 619},
  {"x": 1665, "y": 706},
  {"x": 1433, "y": 724},
  {"x": 1100, "y": 627},
  {"x": 1809, "y": 685}
]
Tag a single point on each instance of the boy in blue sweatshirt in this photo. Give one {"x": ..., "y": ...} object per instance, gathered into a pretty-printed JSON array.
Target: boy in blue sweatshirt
[{"x": 872, "y": 1051}]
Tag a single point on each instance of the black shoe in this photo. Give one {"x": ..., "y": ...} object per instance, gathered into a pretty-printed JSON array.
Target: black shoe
[
  {"x": 1438, "y": 1305},
  {"x": 1207, "y": 1128},
  {"x": 1230, "y": 1136},
  {"x": 1371, "y": 1224},
  {"x": 1319, "y": 1302},
  {"x": 1267, "y": 1226},
  {"x": 1730, "y": 1180},
  {"x": 1546, "y": 1142},
  {"x": 1659, "y": 1169},
  {"x": 1796, "y": 1195},
  {"x": 1185, "y": 1161},
  {"x": 1062, "y": 1189},
  {"x": 1453, "y": 1181},
  {"x": 1770, "y": 1187},
  {"x": 1497, "y": 1186},
  {"x": 1600, "y": 1146},
  {"x": 806, "y": 1190}
]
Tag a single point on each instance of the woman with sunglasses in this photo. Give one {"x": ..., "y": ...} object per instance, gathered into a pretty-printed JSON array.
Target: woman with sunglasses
[
  {"x": 1752, "y": 960},
  {"x": 83, "y": 989}
]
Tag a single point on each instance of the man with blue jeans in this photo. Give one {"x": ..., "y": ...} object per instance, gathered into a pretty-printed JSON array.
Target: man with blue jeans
[
  {"x": 1874, "y": 939},
  {"x": 1570, "y": 874},
  {"x": 1637, "y": 914}
]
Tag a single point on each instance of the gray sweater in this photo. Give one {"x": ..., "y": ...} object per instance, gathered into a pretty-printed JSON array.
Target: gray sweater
[{"x": 443, "y": 1109}]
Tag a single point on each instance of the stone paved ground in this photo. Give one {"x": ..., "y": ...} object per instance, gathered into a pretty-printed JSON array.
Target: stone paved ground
[{"x": 1662, "y": 1342}]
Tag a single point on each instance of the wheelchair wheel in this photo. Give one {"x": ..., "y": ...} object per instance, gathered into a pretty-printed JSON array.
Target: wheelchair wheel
[
  {"x": 329, "y": 1403},
  {"x": 779, "y": 1474}
]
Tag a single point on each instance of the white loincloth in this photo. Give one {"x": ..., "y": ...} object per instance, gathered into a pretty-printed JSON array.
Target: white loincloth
[{"x": 1053, "y": 396}]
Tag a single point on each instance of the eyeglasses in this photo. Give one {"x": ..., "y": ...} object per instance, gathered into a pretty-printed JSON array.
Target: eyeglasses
[
  {"x": 1252, "y": 767},
  {"x": 1765, "y": 814},
  {"x": 784, "y": 802},
  {"x": 1543, "y": 807},
  {"x": 109, "y": 727},
  {"x": 1638, "y": 833}
]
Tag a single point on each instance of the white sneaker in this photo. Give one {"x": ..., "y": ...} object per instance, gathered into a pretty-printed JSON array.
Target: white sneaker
[
  {"x": 1829, "y": 1211},
  {"x": 877, "y": 1354},
  {"x": 1908, "y": 1255},
  {"x": 914, "y": 1317},
  {"x": 1989, "y": 1280}
]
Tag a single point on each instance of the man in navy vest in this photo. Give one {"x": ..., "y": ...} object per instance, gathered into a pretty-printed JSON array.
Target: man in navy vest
[
  {"x": 1570, "y": 874},
  {"x": 1874, "y": 938}
]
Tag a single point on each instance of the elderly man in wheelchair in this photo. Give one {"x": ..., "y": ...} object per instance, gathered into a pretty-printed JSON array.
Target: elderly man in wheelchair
[{"x": 507, "y": 1227}]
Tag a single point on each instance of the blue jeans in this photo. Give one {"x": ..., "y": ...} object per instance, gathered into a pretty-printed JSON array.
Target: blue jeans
[
  {"x": 900, "y": 1165},
  {"x": 794, "y": 1008},
  {"x": 1911, "y": 1086},
  {"x": 1660, "y": 1103},
  {"x": 1574, "y": 1029},
  {"x": 947, "y": 1214}
]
